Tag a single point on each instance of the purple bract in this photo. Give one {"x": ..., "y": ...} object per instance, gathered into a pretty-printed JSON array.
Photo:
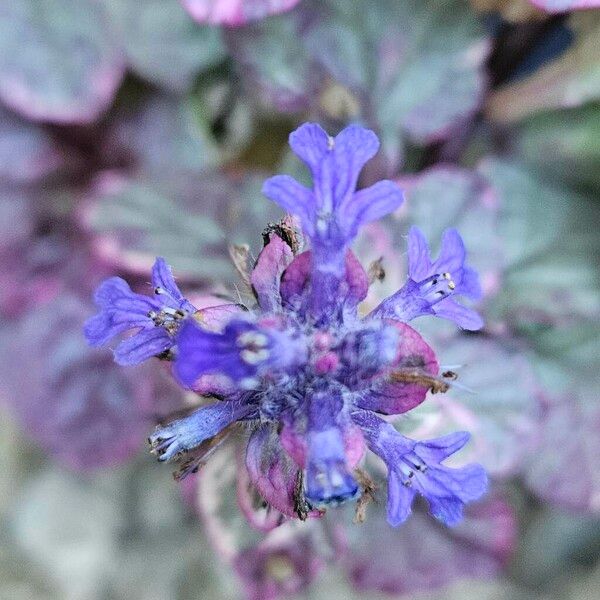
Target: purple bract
[{"x": 303, "y": 369}]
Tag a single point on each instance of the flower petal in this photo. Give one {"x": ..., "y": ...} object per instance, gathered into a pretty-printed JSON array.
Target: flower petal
[
  {"x": 328, "y": 477},
  {"x": 311, "y": 143},
  {"x": 399, "y": 500},
  {"x": 294, "y": 198},
  {"x": 120, "y": 309},
  {"x": 440, "y": 448},
  {"x": 185, "y": 434},
  {"x": 296, "y": 278},
  {"x": 142, "y": 346},
  {"x": 115, "y": 294},
  {"x": 463, "y": 316},
  {"x": 100, "y": 328},
  {"x": 454, "y": 488},
  {"x": 162, "y": 279},
  {"x": 452, "y": 253},
  {"x": 203, "y": 352},
  {"x": 469, "y": 285},
  {"x": 371, "y": 204},
  {"x": 416, "y": 466},
  {"x": 352, "y": 148},
  {"x": 419, "y": 260}
]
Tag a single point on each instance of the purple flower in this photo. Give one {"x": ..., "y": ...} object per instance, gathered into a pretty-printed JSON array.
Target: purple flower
[
  {"x": 301, "y": 369},
  {"x": 333, "y": 211},
  {"x": 278, "y": 568},
  {"x": 241, "y": 352},
  {"x": 430, "y": 284},
  {"x": 183, "y": 435},
  {"x": 156, "y": 319},
  {"x": 415, "y": 467}
]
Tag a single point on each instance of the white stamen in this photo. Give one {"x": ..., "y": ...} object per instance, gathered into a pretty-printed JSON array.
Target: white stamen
[
  {"x": 336, "y": 479},
  {"x": 322, "y": 225},
  {"x": 253, "y": 338},
  {"x": 249, "y": 383},
  {"x": 253, "y": 357},
  {"x": 451, "y": 283}
]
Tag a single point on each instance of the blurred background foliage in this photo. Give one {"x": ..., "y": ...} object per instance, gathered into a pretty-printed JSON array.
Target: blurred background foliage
[{"x": 133, "y": 129}]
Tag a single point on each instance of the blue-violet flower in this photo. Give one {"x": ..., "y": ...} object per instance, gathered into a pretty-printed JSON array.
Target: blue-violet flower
[
  {"x": 156, "y": 318},
  {"x": 302, "y": 369}
]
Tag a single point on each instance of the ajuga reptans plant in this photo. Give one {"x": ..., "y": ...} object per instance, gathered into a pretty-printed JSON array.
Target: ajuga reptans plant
[{"x": 312, "y": 380}]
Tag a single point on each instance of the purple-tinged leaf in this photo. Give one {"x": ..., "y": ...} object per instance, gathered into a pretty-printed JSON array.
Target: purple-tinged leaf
[
  {"x": 284, "y": 560},
  {"x": 273, "y": 62},
  {"x": 73, "y": 400},
  {"x": 422, "y": 83},
  {"x": 408, "y": 69},
  {"x": 558, "y": 6},
  {"x": 494, "y": 398},
  {"x": 161, "y": 42},
  {"x": 27, "y": 152},
  {"x": 296, "y": 277},
  {"x": 562, "y": 147},
  {"x": 17, "y": 221},
  {"x": 161, "y": 135},
  {"x": 235, "y": 12},
  {"x": 33, "y": 270},
  {"x": 186, "y": 219},
  {"x": 421, "y": 556},
  {"x": 216, "y": 316},
  {"x": 565, "y": 467},
  {"x": 551, "y": 281},
  {"x": 134, "y": 221},
  {"x": 58, "y": 59},
  {"x": 32, "y": 264}
]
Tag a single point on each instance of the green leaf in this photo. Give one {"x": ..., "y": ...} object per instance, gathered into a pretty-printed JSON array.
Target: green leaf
[
  {"x": 563, "y": 146},
  {"x": 552, "y": 281},
  {"x": 162, "y": 43}
]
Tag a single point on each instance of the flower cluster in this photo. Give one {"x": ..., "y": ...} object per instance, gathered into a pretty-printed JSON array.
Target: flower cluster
[{"x": 310, "y": 376}]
